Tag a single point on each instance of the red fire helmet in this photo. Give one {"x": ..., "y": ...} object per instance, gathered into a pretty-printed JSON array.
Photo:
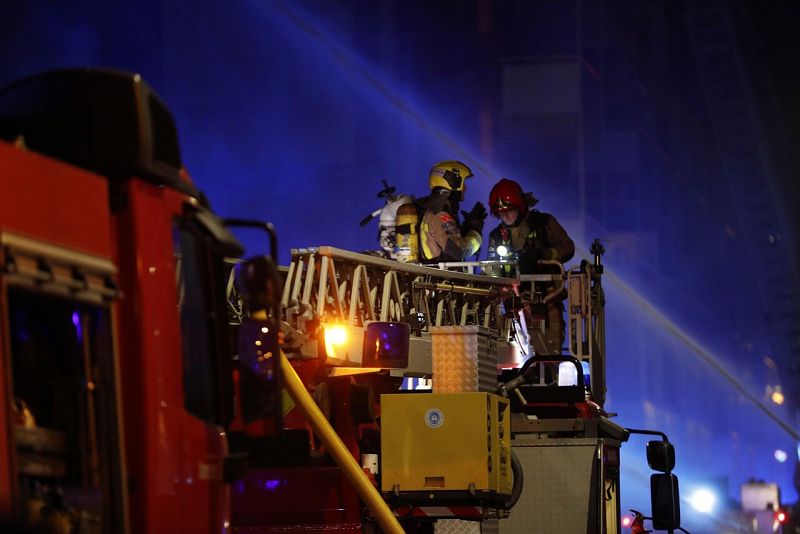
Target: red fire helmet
[{"x": 507, "y": 194}]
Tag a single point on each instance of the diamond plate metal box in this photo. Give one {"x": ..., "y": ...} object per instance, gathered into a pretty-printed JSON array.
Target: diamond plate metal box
[{"x": 464, "y": 359}]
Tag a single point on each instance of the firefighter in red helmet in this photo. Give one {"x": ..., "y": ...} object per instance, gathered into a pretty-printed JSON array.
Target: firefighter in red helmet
[{"x": 528, "y": 235}]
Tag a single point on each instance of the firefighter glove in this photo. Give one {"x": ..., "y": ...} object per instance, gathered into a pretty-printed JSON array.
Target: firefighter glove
[{"x": 474, "y": 219}]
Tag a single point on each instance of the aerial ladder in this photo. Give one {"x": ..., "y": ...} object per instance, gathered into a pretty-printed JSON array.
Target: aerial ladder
[{"x": 332, "y": 287}]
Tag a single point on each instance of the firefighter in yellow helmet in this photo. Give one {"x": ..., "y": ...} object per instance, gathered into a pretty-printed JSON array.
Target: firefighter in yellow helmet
[{"x": 442, "y": 236}]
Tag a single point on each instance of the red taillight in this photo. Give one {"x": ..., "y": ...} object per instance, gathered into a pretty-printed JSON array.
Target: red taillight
[{"x": 781, "y": 516}]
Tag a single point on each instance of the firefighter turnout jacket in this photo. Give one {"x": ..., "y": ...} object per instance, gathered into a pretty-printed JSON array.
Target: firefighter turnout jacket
[
  {"x": 537, "y": 237},
  {"x": 441, "y": 238}
]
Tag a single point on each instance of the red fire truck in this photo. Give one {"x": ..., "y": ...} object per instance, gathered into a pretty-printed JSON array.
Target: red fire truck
[{"x": 128, "y": 404}]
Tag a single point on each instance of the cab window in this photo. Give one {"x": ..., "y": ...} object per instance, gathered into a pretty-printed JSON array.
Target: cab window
[{"x": 201, "y": 298}]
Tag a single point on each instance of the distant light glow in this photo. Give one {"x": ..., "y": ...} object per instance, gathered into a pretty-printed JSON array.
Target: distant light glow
[
  {"x": 781, "y": 455},
  {"x": 703, "y": 500},
  {"x": 777, "y": 396},
  {"x": 781, "y": 516},
  {"x": 271, "y": 484},
  {"x": 626, "y": 521},
  {"x": 502, "y": 251}
]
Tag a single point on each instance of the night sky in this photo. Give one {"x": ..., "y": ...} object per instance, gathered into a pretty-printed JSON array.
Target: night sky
[{"x": 293, "y": 112}]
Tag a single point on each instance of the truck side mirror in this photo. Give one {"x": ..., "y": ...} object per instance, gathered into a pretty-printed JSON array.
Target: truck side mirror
[
  {"x": 665, "y": 501},
  {"x": 661, "y": 456},
  {"x": 258, "y": 282}
]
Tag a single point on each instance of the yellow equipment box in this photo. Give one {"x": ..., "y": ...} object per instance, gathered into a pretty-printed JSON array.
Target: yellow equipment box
[{"x": 445, "y": 442}]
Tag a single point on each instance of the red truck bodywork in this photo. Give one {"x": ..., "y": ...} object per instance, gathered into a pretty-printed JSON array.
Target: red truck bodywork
[{"x": 173, "y": 468}]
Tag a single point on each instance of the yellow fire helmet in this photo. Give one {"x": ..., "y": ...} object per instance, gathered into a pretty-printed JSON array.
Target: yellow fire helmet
[{"x": 450, "y": 175}]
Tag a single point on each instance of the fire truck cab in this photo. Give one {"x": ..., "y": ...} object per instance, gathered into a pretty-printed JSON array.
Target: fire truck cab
[{"x": 115, "y": 380}]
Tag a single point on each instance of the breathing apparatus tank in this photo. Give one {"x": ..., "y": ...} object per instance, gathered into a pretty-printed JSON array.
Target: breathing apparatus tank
[
  {"x": 406, "y": 234},
  {"x": 387, "y": 223}
]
